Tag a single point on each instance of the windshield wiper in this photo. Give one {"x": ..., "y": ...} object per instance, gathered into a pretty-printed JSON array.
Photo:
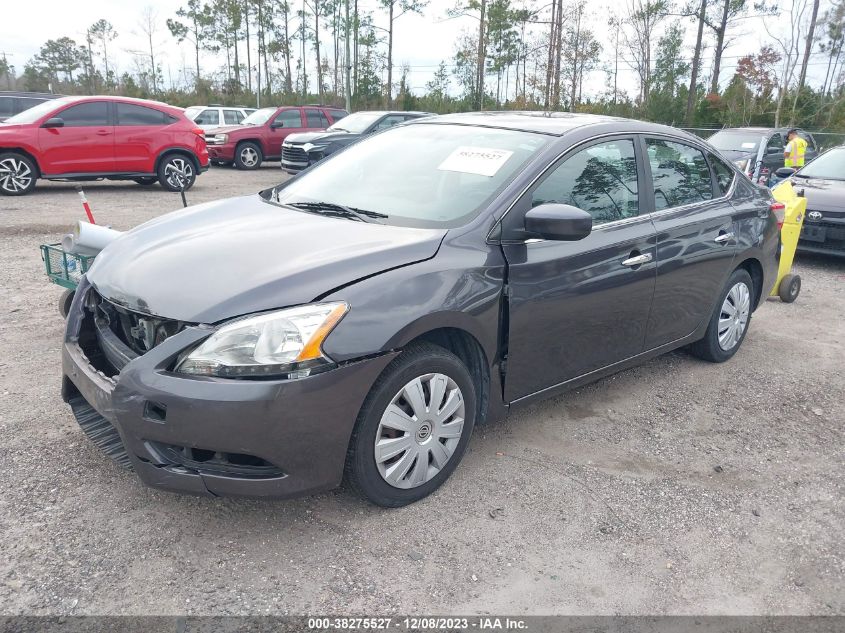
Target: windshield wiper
[
  {"x": 338, "y": 129},
  {"x": 340, "y": 210}
]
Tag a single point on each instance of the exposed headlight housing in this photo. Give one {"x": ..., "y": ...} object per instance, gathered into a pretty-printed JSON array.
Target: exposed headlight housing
[
  {"x": 310, "y": 147},
  {"x": 285, "y": 343},
  {"x": 220, "y": 139}
]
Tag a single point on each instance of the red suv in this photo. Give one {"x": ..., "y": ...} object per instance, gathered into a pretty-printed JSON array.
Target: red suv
[
  {"x": 260, "y": 135},
  {"x": 90, "y": 138}
]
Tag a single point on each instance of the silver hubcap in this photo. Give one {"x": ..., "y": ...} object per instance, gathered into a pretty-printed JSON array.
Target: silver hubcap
[
  {"x": 179, "y": 172},
  {"x": 734, "y": 316},
  {"x": 419, "y": 431},
  {"x": 15, "y": 175},
  {"x": 249, "y": 157}
]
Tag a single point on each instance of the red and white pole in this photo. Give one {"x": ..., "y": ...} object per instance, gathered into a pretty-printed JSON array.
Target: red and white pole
[{"x": 85, "y": 205}]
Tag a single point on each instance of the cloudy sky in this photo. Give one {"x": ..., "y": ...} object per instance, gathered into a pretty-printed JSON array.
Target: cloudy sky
[{"x": 421, "y": 41}]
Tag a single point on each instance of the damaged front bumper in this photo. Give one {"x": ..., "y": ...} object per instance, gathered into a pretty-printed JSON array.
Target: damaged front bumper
[{"x": 212, "y": 436}]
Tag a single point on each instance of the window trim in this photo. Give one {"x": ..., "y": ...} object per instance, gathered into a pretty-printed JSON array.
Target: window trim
[{"x": 495, "y": 232}]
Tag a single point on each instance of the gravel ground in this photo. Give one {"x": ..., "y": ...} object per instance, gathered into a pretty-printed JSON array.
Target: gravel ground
[{"x": 679, "y": 487}]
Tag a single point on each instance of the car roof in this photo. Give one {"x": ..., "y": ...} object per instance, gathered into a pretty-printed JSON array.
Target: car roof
[
  {"x": 552, "y": 123},
  {"x": 117, "y": 99},
  {"x": 762, "y": 130}
]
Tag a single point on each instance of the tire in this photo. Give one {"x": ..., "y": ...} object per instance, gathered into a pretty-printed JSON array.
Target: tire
[
  {"x": 64, "y": 302},
  {"x": 17, "y": 174},
  {"x": 423, "y": 365},
  {"x": 176, "y": 172},
  {"x": 716, "y": 347},
  {"x": 146, "y": 180},
  {"x": 221, "y": 163},
  {"x": 790, "y": 287},
  {"x": 248, "y": 155}
]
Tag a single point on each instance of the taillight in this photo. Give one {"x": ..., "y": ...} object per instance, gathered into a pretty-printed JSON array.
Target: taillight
[
  {"x": 779, "y": 209},
  {"x": 199, "y": 131}
]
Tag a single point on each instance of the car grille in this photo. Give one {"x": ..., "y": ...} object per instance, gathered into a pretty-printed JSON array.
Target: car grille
[
  {"x": 100, "y": 431},
  {"x": 111, "y": 335},
  {"x": 293, "y": 154},
  {"x": 834, "y": 236}
]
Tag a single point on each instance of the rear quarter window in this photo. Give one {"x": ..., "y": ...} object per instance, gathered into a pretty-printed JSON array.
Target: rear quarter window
[{"x": 131, "y": 114}]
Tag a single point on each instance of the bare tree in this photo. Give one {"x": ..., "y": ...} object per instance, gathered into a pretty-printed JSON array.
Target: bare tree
[
  {"x": 808, "y": 47},
  {"x": 643, "y": 16},
  {"x": 789, "y": 44},
  {"x": 149, "y": 27},
  {"x": 696, "y": 62}
]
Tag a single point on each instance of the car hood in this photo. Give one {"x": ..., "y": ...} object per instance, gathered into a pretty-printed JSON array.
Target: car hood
[
  {"x": 233, "y": 257},
  {"x": 737, "y": 154},
  {"x": 227, "y": 129},
  {"x": 822, "y": 195},
  {"x": 313, "y": 137}
]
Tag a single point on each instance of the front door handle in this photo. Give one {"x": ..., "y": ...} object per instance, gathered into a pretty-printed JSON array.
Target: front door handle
[
  {"x": 103, "y": 132},
  {"x": 723, "y": 238},
  {"x": 637, "y": 260}
]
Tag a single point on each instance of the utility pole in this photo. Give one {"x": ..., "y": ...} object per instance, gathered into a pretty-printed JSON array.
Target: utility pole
[{"x": 348, "y": 90}]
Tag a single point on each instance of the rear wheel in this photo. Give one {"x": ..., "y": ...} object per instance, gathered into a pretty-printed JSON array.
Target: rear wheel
[
  {"x": 248, "y": 156},
  {"x": 730, "y": 320},
  {"x": 176, "y": 172},
  {"x": 414, "y": 427},
  {"x": 17, "y": 174},
  {"x": 789, "y": 288}
]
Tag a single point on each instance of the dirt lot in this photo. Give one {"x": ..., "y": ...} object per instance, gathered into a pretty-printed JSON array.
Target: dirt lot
[{"x": 679, "y": 487}]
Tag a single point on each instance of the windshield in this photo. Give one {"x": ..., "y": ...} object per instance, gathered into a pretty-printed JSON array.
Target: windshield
[
  {"x": 830, "y": 166},
  {"x": 736, "y": 140},
  {"x": 421, "y": 175},
  {"x": 36, "y": 112},
  {"x": 356, "y": 123},
  {"x": 259, "y": 117}
]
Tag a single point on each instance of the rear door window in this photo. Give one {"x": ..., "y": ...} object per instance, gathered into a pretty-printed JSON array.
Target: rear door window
[
  {"x": 314, "y": 119},
  {"x": 131, "y": 114},
  {"x": 724, "y": 174},
  {"x": 290, "y": 118},
  {"x": 232, "y": 117},
  {"x": 679, "y": 173},
  {"x": 91, "y": 114}
]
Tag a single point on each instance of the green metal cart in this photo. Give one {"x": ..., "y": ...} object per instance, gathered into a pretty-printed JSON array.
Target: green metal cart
[{"x": 65, "y": 269}]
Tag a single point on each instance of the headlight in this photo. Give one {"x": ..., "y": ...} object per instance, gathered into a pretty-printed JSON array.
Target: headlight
[
  {"x": 309, "y": 147},
  {"x": 283, "y": 343},
  {"x": 220, "y": 139}
]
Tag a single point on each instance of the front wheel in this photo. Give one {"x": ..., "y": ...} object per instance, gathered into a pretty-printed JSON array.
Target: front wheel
[
  {"x": 17, "y": 174},
  {"x": 730, "y": 320},
  {"x": 176, "y": 173},
  {"x": 414, "y": 427},
  {"x": 248, "y": 156}
]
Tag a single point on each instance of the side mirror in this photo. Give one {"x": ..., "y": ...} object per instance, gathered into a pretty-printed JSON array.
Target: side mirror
[
  {"x": 785, "y": 172},
  {"x": 561, "y": 222},
  {"x": 277, "y": 124},
  {"x": 54, "y": 122}
]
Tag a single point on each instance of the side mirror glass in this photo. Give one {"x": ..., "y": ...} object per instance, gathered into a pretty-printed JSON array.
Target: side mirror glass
[
  {"x": 54, "y": 122},
  {"x": 785, "y": 172},
  {"x": 560, "y": 222}
]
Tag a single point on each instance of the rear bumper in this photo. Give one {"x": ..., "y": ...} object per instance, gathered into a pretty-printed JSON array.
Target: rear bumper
[{"x": 298, "y": 429}]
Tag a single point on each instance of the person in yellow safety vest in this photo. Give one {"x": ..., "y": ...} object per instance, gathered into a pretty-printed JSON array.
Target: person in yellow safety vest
[{"x": 793, "y": 153}]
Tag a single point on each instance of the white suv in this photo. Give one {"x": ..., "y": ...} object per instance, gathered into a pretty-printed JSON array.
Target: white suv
[{"x": 210, "y": 117}]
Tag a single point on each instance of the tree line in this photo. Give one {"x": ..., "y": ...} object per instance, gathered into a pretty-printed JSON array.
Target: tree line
[{"x": 514, "y": 54}]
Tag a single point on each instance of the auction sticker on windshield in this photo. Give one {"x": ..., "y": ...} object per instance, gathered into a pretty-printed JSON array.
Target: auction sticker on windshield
[{"x": 484, "y": 161}]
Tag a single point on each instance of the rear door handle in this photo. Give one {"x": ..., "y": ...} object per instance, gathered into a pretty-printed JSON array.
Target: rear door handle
[
  {"x": 637, "y": 260},
  {"x": 723, "y": 238}
]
